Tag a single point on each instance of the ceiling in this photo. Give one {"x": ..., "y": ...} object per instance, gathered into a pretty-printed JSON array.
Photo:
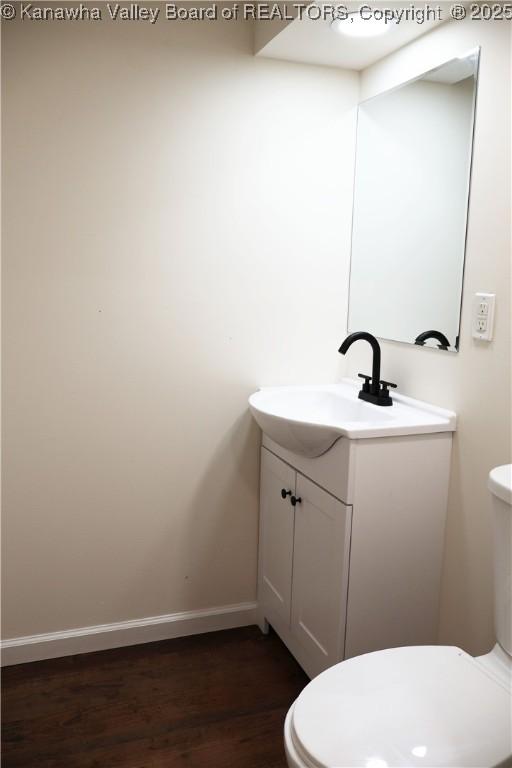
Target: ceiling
[{"x": 314, "y": 42}]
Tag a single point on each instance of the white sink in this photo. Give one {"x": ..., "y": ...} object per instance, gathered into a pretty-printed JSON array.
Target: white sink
[{"x": 309, "y": 419}]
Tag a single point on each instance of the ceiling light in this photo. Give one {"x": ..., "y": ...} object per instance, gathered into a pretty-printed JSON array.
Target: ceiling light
[{"x": 356, "y": 26}]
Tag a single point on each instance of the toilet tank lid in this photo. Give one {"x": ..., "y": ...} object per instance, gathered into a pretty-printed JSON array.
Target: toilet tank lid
[{"x": 500, "y": 482}]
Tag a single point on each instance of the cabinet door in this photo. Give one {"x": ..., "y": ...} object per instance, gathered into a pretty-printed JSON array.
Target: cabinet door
[
  {"x": 320, "y": 574},
  {"x": 276, "y": 537}
]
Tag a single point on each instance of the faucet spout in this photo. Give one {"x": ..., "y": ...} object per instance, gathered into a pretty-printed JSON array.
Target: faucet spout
[
  {"x": 373, "y": 390},
  {"x": 364, "y": 336}
]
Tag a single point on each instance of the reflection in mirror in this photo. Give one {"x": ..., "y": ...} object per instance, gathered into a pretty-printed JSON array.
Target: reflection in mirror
[{"x": 411, "y": 193}]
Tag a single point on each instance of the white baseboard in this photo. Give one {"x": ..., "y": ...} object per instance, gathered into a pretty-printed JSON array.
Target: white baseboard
[{"x": 19, "y": 650}]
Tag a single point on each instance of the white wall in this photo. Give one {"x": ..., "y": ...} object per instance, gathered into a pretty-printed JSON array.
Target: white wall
[
  {"x": 476, "y": 381},
  {"x": 176, "y": 233}
]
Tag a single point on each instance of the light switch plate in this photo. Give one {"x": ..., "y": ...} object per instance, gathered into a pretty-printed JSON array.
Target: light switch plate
[{"x": 483, "y": 316}]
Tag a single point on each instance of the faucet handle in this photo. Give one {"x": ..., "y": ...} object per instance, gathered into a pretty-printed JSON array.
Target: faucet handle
[
  {"x": 367, "y": 379},
  {"x": 384, "y": 397}
]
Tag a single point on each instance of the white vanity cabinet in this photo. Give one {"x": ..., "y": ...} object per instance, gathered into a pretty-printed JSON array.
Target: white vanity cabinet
[
  {"x": 355, "y": 565},
  {"x": 277, "y": 525},
  {"x": 303, "y": 567},
  {"x": 320, "y": 573}
]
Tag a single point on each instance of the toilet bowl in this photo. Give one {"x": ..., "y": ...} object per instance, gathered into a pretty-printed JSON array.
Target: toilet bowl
[{"x": 421, "y": 705}]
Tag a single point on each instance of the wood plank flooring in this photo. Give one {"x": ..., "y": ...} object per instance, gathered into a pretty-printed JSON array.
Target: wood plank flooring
[{"x": 210, "y": 701}]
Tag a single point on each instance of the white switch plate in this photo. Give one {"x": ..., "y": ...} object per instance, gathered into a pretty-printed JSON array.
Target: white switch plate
[{"x": 483, "y": 316}]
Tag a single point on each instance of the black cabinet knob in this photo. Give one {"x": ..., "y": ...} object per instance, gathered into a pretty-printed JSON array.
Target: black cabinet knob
[
  {"x": 285, "y": 493},
  {"x": 294, "y": 500}
]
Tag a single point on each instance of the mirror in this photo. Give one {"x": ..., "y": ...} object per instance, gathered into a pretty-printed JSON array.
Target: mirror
[{"x": 411, "y": 193}]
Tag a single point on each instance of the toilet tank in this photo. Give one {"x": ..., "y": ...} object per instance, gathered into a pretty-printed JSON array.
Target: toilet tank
[{"x": 500, "y": 485}]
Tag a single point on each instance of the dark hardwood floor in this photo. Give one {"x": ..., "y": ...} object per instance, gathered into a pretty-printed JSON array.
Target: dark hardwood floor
[{"x": 215, "y": 701}]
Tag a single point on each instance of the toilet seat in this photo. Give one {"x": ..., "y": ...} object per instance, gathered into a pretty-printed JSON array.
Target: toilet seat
[{"x": 414, "y": 706}]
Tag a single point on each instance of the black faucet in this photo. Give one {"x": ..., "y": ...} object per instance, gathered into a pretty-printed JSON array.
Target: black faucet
[
  {"x": 374, "y": 390},
  {"x": 437, "y": 335}
]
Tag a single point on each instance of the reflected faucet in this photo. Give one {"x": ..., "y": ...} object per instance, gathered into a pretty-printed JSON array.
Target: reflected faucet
[
  {"x": 437, "y": 335},
  {"x": 374, "y": 390}
]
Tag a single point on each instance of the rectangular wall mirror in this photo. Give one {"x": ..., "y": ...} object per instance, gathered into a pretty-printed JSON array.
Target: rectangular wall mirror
[{"x": 411, "y": 194}]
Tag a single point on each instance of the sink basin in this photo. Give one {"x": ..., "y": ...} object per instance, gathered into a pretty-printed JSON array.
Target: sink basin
[{"x": 308, "y": 420}]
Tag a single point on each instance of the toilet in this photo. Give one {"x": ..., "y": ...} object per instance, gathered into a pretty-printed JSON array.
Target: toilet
[{"x": 417, "y": 706}]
